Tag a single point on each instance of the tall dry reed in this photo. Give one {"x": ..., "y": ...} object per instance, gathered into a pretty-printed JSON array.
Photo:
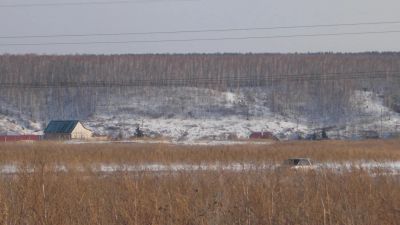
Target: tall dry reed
[
  {"x": 200, "y": 198},
  {"x": 167, "y": 153}
]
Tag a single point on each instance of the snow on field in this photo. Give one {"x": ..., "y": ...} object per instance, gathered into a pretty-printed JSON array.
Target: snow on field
[
  {"x": 386, "y": 168},
  {"x": 391, "y": 167},
  {"x": 195, "y": 142}
]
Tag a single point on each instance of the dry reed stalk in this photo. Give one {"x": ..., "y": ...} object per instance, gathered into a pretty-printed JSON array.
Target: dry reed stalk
[
  {"x": 43, "y": 196},
  {"x": 163, "y": 153},
  {"x": 220, "y": 197}
]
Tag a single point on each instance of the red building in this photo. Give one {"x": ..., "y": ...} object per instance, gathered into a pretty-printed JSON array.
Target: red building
[
  {"x": 13, "y": 138},
  {"x": 263, "y": 135}
]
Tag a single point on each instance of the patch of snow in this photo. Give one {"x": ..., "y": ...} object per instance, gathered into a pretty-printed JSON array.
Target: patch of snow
[
  {"x": 8, "y": 169},
  {"x": 232, "y": 98},
  {"x": 384, "y": 168}
]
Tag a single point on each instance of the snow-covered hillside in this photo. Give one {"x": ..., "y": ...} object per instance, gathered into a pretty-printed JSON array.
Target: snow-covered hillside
[
  {"x": 13, "y": 121},
  {"x": 370, "y": 114},
  {"x": 229, "y": 115},
  {"x": 198, "y": 114}
]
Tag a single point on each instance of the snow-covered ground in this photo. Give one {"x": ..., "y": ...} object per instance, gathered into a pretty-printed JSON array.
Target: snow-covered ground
[
  {"x": 190, "y": 115},
  {"x": 385, "y": 168},
  {"x": 373, "y": 115},
  {"x": 199, "y": 129},
  {"x": 13, "y": 121},
  {"x": 233, "y": 117},
  {"x": 194, "y": 142},
  {"x": 205, "y": 116}
]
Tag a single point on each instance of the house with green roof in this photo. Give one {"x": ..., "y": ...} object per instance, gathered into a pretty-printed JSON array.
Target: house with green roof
[{"x": 66, "y": 130}]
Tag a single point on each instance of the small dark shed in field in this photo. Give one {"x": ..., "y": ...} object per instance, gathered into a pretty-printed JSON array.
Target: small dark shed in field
[{"x": 263, "y": 135}]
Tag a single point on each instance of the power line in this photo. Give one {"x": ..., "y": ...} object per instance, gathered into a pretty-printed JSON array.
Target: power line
[
  {"x": 27, "y": 5},
  {"x": 257, "y": 80},
  {"x": 200, "y": 31},
  {"x": 203, "y": 39}
]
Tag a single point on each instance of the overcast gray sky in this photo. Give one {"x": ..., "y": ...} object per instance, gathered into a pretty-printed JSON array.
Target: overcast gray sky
[{"x": 171, "y": 15}]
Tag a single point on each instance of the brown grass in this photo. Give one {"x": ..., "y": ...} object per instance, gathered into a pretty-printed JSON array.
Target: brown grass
[
  {"x": 164, "y": 153},
  {"x": 200, "y": 198},
  {"x": 185, "y": 198}
]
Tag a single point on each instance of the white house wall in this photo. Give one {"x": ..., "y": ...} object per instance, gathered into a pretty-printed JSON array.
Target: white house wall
[{"x": 81, "y": 132}]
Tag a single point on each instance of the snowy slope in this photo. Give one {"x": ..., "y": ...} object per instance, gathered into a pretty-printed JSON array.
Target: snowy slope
[
  {"x": 231, "y": 116},
  {"x": 193, "y": 129},
  {"x": 14, "y": 122},
  {"x": 371, "y": 114},
  {"x": 192, "y": 114},
  {"x": 189, "y": 114}
]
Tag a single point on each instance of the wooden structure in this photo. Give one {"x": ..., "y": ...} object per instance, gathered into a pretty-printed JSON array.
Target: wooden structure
[{"x": 66, "y": 130}]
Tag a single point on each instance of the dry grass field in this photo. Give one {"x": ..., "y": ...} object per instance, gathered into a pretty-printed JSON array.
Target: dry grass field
[
  {"x": 169, "y": 153},
  {"x": 43, "y": 196}
]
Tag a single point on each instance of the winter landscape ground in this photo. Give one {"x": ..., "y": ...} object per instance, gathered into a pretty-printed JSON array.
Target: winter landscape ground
[
  {"x": 221, "y": 117},
  {"x": 199, "y": 112},
  {"x": 192, "y": 98},
  {"x": 196, "y": 163},
  {"x": 233, "y": 117},
  {"x": 354, "y": 182}
]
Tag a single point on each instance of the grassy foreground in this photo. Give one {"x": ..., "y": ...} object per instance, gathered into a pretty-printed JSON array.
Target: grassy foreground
[
  {"x": 379, "y": 150},
  {"x": 184, "y": 198}
]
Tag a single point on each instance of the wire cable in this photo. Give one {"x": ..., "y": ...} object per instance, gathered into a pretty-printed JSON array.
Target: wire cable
[
  {"x": 201, "y": 31},
  {"x": 26, "y": 5},
  {"x": 203, "y": 39}
]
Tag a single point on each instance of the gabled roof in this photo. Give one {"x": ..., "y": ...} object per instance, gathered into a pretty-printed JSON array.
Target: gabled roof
[{"x": 61, "y": 126}]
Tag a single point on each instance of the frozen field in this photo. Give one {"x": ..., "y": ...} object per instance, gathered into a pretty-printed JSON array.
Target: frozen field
[{"x": 387, "y": 168}]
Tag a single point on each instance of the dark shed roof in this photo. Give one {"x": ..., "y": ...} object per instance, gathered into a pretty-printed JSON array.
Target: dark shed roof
[{"x": 61, "y": 126}]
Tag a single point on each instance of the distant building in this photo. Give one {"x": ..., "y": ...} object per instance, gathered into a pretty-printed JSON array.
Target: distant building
[
  {"x": 263, "y": 135},
  {"x": 66, "y": 130}
]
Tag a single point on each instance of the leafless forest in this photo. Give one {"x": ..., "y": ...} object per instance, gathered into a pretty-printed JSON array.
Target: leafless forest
[{"x": 313, "y": 85}]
